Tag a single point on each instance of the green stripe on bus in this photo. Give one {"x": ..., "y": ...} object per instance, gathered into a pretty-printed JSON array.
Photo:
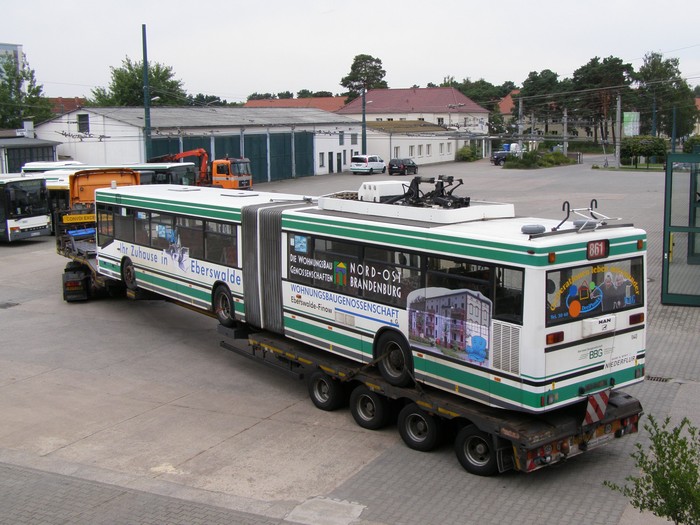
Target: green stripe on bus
[
  {"x": 205, "y": 211},
  {"x": 330, "y": 336},
  {"x": 424, "y": 240}
]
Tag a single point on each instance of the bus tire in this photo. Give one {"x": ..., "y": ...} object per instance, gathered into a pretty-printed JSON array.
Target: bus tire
[
  {"x": 395, "y": 362},
  {"x": 369, "y": 409},
  {"x": 325, "y": 392},
  {"x": 418, "y": 429},
  {"x": 223, "y": 306},
  {"x": 475, "y": 451},
  {"x": 129, "y": 274}
]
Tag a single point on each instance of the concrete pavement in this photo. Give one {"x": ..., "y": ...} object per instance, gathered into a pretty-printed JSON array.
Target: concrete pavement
[{"x": 135, "y": 415}]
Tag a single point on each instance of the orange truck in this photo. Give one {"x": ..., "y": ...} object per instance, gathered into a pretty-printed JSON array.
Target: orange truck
[
  {"x": 230, "y": 173},
  {"x": 76, "y": 232}
]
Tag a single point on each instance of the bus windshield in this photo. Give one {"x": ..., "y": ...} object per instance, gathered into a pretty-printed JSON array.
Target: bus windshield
[
  {"x": 26, "y": 198},
  {"x": 594, "y": 289}
]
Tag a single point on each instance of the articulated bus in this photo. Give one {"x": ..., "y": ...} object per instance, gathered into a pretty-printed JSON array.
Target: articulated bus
[
  {"x": 527, "y": 314},
  {"x": 24, "y": 208}
]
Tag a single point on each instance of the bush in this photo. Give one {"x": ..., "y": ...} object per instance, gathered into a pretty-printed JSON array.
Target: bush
[
  {"x": 691, "y": 143},
  {"x": 668, "y": 484},
  {"x": 468, "y": 154},
  {"x": 533, "y": 159}
]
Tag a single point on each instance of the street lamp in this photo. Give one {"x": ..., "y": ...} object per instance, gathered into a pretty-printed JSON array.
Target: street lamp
[{"x": 146, "y": 99}]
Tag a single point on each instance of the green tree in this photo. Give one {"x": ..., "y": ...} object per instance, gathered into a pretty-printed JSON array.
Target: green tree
[
  {"x": 661, "y": 89},
  {"x": 20, "y": 96},
  {"x": 307, "y": 93},
  {"x": 643, "y": 146},
  {"x": 126, "y": 86},
  {"x": 597, "y": 85},
  {"x": 669, "y": 480},
  {"x": 285, "y": 94},
  {"x": 539, "y": 94},
  {"x": 366, "y": 73},
  {"x": 261, "y": 96},
  {"x": 200, "y": 99}
]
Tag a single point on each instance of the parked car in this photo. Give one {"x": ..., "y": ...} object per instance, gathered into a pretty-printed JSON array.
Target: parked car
[
  {"x": 499, "y": 157},
  {"x": 367, "y": 164},
  {"x": 402, "y": 166}
]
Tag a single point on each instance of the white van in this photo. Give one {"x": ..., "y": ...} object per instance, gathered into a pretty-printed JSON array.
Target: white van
[{"x": 367, "y": 164}]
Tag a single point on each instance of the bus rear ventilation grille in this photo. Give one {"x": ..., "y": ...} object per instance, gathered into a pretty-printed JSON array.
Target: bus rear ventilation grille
[{"x": 657, "y": 379}]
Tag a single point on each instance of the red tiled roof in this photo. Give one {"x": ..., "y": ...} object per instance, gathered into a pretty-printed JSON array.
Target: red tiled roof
[
  {"x": 61, "y": 105},
  {"x": 324, "y": 103},
  {"x": 414, "y": 100},
  {"x": 505, "y": 105}
]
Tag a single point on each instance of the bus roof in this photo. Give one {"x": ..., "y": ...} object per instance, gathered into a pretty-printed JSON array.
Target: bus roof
[
  {"x": 53, "y": 166},
  {"x": 18, "y": 177},
  {"x": 480, "y": 220}
]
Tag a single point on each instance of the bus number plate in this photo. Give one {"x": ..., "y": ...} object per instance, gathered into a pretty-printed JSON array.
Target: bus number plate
[{"x": 598, "y": 249}]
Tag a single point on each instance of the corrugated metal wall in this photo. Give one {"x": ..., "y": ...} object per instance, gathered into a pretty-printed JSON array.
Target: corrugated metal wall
[{"x": 281, "y": 165}]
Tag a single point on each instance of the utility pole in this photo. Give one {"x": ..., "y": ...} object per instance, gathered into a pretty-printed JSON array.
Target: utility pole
[
  {"x": 364, "y": 120},
  {"x": 565, "y": 122},
  {"x": 618, "y": 131},
  {"x": 146, "y": 100},
  {"x": 520, "y": 123}
]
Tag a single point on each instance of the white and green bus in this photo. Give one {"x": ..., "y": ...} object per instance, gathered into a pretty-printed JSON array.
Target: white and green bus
[
  {"x": 514, "y": 312},
  {"x": 24, "y": 208}
]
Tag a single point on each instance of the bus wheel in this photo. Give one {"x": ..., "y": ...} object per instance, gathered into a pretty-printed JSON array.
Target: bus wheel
[
  {"x": 395, "y": 359},
  {"x": 223, "y": 306},
  {"x": 418, "y": 429},
  {"x": 129, "y": 274},
  {"x": 369, "y": 409},
  {"x": 325, "y": 392},
  {"x": 475, "y": 451}
]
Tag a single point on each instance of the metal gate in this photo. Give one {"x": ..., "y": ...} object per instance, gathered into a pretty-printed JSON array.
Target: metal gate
[{"x": 681, "y": 251}]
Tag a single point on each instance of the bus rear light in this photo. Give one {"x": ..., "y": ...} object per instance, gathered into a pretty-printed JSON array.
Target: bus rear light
[
  {"x": 637, "y": 318},
  {"x": 551, "y": 257},
  {"x": 555, "y": 337},
  {"x": 639, "y": 372},
  {"x": 640, "y": 244}
]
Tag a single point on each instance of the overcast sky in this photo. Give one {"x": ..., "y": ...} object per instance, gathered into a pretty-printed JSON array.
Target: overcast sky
[{"x": 231, "y": 48}]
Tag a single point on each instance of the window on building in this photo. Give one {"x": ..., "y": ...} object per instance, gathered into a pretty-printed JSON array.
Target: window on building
[
  {"x": 389, "y": 119},
  {"x": 379, "y": 119},
  {"x": 397, "y": 152},
  {"x": 440, "y": 121},
  {"x": 411, "y": 151},
  {"x": 420, "y": 150},
  {"x": 341, "y": 138},
  {"x": 449, "y": 147},
  {"x": 421, "y": 118},
  {"x": 353, "y": 139},
  {"x": 428, "y": 150},
  {"x": 321, "y": 160},
  {"x": 84, "y": 123},
  {"x": 442, "y": 148}
]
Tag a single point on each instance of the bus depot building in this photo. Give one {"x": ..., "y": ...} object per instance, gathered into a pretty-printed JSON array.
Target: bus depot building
[{"x": 281, "y": 143}]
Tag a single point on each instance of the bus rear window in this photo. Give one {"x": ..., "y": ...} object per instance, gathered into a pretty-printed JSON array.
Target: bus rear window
[{"x": 594, "y": 289}]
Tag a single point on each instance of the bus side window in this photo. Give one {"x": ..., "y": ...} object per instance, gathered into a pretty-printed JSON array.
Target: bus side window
[
  {"x": 142, "y": 228},
  {"x": 509, "y": 295}
]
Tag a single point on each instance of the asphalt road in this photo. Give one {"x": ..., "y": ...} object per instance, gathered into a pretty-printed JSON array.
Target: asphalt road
[{"x": 119, "y": 411}]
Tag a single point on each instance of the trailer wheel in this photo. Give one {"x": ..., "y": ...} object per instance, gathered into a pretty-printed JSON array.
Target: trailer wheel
[
  {"x": 418, "y": 429},
  {"x": 223, "y": 306},
  {"x": 129, "y": 274},
  {"x": 325, "y": 392},
  {"x": 475, "y": 451},
  {"x": 369, "y": 409},
  {"x": 396, "y": 365}
]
